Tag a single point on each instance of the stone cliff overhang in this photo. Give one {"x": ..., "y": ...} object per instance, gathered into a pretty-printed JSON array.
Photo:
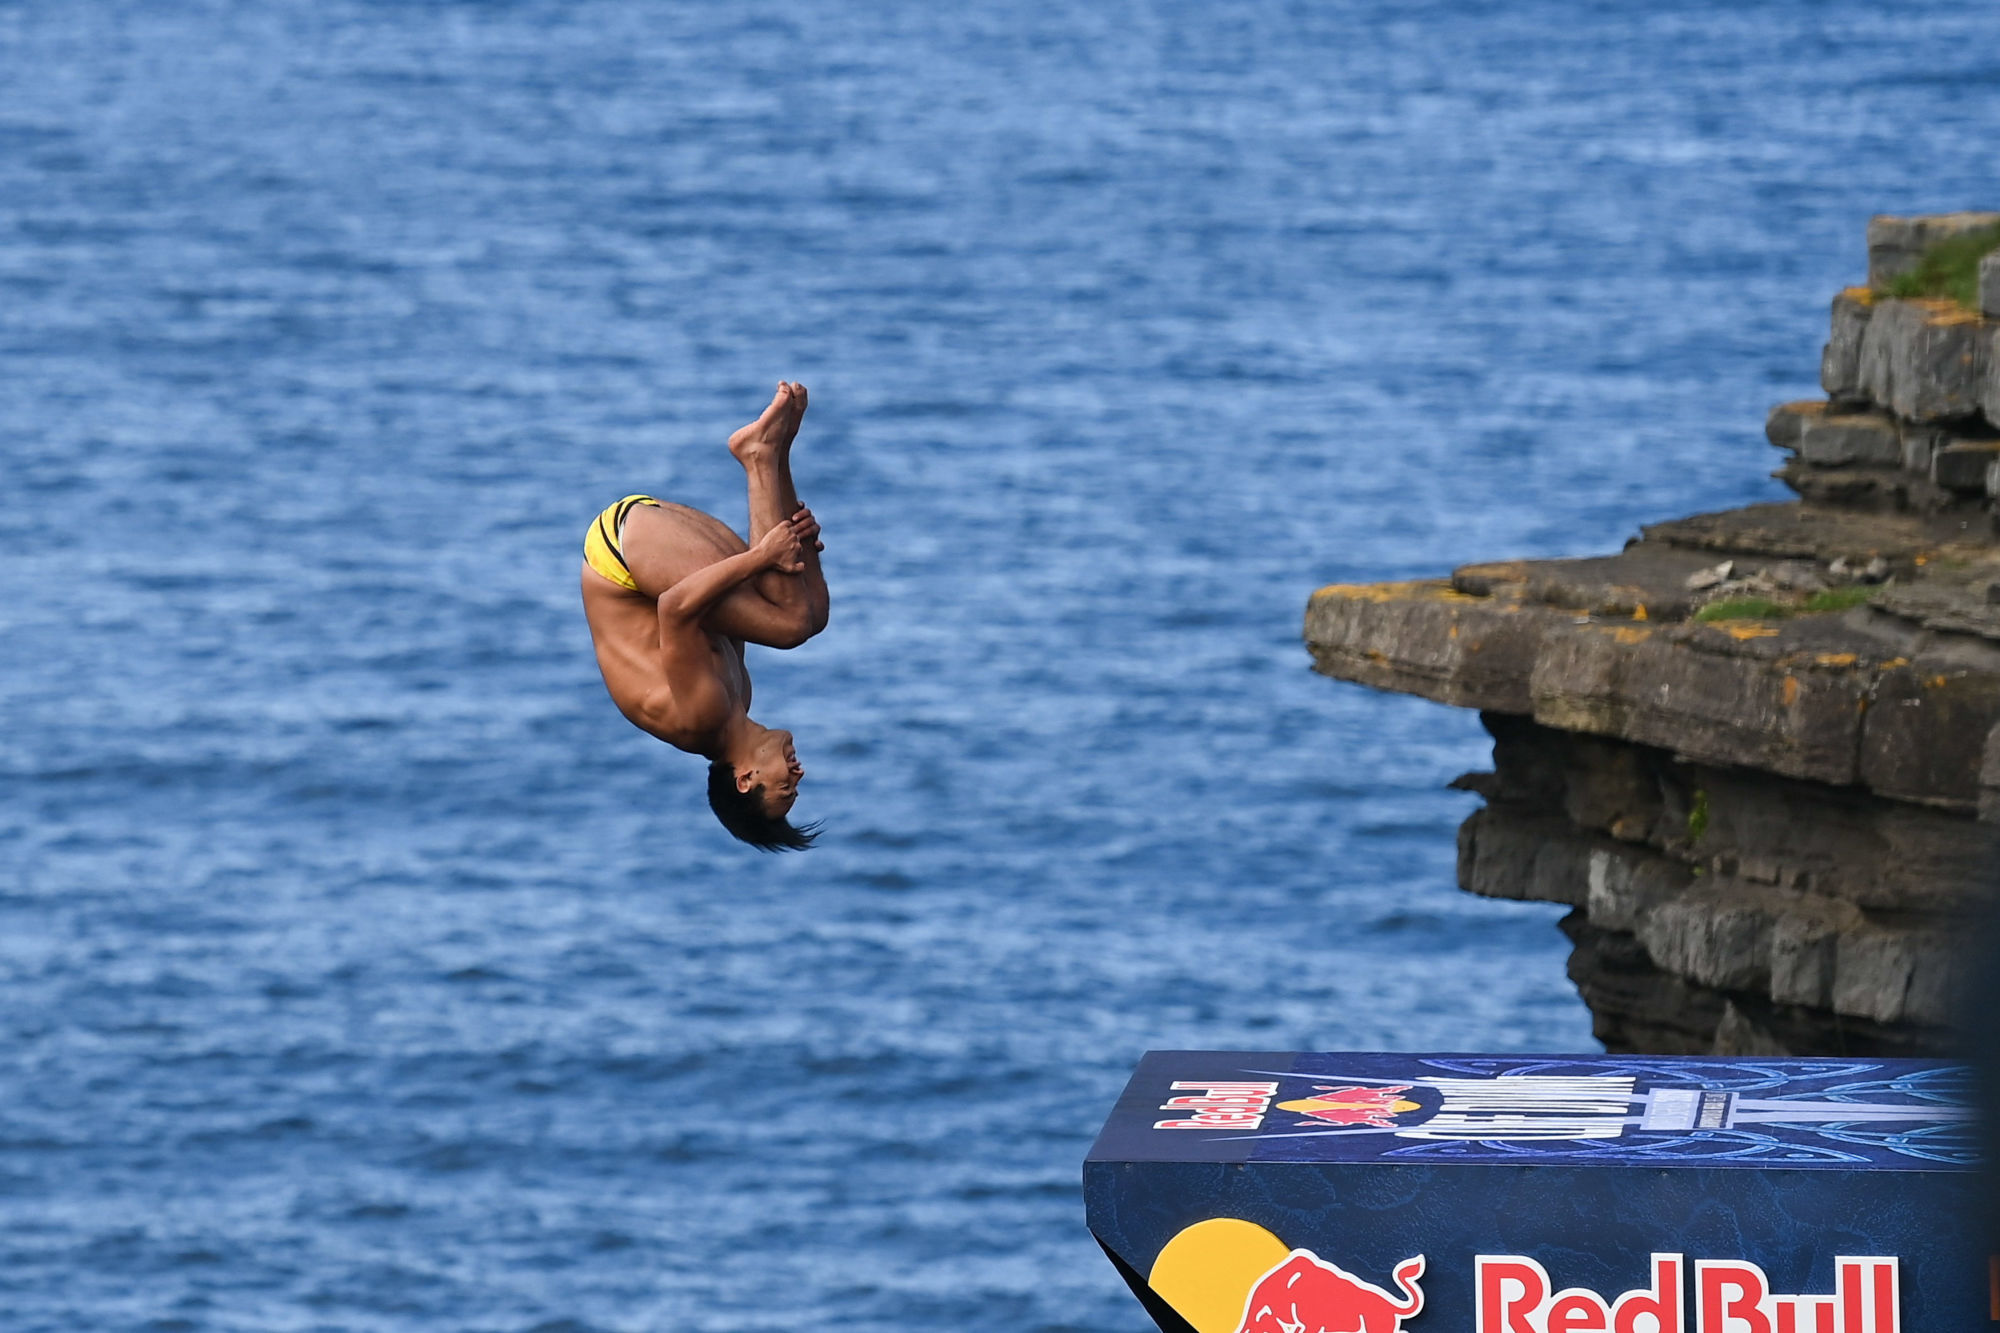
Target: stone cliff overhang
[
  {"x": 1897, "y": 694},
  {"x": 1756, "y": 751}
]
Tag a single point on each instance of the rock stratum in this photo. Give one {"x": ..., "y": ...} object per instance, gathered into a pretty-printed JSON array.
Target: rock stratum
[{"x": 1757, "y": 752}]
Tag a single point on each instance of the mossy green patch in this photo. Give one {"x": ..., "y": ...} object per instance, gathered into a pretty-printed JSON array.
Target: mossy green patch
[
  {"x": 1766, "y": 608},
  {"x": 1698, "y": 815},
  {"x": 1949, "y": 269},
  {"x": 1839, "y": 599}
]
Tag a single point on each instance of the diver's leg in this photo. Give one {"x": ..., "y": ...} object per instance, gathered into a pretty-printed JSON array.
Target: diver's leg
[
  {"x": 748, "y": 615},
  {"x": 764, "y": 448}
]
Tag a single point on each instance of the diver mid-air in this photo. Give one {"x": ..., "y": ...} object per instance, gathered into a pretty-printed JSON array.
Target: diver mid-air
[{"x": 672, "y": 595}]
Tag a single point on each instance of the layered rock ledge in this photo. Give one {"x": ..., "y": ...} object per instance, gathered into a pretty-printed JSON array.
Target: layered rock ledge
[{"x": 1757, "y": 752}]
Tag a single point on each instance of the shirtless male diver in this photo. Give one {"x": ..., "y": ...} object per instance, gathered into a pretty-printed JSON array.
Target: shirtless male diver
[{"x": 672, "y": 596}]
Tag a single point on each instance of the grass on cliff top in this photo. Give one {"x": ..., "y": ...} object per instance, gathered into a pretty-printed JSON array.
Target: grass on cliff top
[
  {"x": 1950, "y": 268},
  {"x": 1763, "y": 608}
]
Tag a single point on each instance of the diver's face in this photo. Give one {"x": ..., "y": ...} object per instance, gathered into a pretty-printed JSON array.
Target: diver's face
[{"x": 778, "y": 770}]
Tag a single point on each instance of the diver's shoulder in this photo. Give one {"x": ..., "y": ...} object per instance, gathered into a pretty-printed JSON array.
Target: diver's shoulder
[{"x": 692, "y": 726}]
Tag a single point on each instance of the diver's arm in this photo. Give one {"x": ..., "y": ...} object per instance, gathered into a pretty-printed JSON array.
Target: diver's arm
[{"x": 697, "y": 594}]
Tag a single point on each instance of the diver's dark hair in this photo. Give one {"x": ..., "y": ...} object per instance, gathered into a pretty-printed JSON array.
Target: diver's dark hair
[{"x": 742, "y": 813}]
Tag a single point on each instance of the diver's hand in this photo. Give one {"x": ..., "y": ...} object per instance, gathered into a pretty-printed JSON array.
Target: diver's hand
[
  {"x": 782, "y": 545},
  {"x": 810, "y": 533}
]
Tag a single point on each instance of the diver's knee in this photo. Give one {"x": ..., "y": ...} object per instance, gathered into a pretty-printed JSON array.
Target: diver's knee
[{"x": 791, "y": 634}]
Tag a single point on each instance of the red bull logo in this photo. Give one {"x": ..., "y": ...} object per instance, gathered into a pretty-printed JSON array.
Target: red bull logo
[
  {"x": 1226, "y": 1275},
  {"x": 1306, "y": 1294}
]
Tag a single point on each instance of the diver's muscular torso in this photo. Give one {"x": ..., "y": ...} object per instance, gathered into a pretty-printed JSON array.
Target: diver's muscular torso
[{"x": 661, "y": 547}]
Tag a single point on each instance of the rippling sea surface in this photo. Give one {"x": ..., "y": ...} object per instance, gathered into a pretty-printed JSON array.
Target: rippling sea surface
[{"x": 360, "y": 968}]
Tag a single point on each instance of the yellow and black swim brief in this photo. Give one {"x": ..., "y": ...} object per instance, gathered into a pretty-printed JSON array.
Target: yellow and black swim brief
[{"x": 601, "y": 549}]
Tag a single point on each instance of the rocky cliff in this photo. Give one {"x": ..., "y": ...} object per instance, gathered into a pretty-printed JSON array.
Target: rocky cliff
[{"x": 1756, "y": 751}]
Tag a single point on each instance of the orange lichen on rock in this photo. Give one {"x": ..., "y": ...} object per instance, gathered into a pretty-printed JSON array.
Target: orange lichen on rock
[
  {"x": 1437, "y": 590},
  {"x": 1944, "y": 310}
]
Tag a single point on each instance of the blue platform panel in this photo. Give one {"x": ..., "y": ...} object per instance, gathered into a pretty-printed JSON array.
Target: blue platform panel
[{"x": 1285, "y": 1192}]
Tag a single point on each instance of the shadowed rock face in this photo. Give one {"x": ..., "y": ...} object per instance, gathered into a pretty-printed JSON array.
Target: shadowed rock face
[
  {"x": 1754, "y": 749},
  {"x": 1718, "y": 909},
  {"x": 1923, "y": 360}
]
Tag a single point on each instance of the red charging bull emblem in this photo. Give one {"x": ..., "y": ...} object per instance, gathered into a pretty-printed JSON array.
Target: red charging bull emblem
[
  {"x": 1229, "y": 1275},
  {"x": 1377, "y": 1107},
  {"x": 1306, "y": 1294}
]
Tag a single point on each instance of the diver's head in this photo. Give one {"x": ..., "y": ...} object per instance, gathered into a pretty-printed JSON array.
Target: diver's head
[{"x": 752, "y": 790}]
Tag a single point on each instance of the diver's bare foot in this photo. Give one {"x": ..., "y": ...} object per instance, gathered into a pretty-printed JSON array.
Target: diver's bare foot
[{"x": 770, "y": 435}]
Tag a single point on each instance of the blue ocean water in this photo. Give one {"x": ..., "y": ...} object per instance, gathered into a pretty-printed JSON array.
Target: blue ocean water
[{"x": 360, "y": 968}]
